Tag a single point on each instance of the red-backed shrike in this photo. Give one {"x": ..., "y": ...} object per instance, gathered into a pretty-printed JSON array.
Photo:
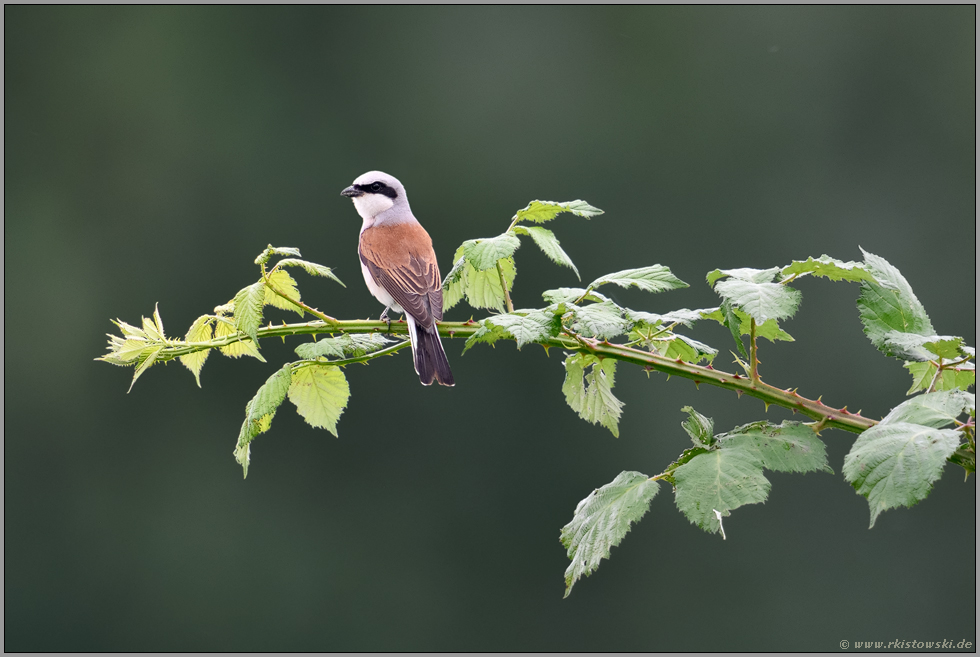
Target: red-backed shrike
[{"x": 400, "y": 268}]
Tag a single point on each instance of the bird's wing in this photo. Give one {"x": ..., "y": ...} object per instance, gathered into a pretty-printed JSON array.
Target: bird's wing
[{"x": 401, "y": 260}]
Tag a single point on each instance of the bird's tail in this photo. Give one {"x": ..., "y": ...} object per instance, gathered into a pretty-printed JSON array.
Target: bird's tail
[{"x": 430, "y": 359}]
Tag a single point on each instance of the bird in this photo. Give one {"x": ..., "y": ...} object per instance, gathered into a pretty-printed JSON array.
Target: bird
[{"x": 400, "y": 268}]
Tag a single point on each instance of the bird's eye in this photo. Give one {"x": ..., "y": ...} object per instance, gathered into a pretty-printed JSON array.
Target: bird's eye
[{"x": 376, "y": 187}]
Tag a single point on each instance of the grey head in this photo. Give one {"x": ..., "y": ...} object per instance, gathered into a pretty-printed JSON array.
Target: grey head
[{"x": 379, "y": 198}]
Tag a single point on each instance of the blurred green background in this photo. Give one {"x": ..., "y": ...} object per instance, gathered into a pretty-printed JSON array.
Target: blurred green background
[{"x": 151, "y": 153}]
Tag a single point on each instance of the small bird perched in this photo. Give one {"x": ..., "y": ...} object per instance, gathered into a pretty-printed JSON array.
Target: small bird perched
[{"x": 400, "y": 268}]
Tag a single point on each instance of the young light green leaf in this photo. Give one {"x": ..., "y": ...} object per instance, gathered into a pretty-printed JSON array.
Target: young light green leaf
[
  {"x": 145, "y": 360},
  {"x": 548, "y": 243},
  {"x": 590, "y": 395},
  {"x": 888, "y": 304},
  {"x": 602, "y": 520},
  {"x": 454, "y": 285},
  {"x": 832, "y": 268},
  {"x": 682, "y": 316},
  {"x": 312, "y": 268},
  {"x": 158, "y": 321},
  {"x": 527, "y": 326},
  {"x": 484, "y": 253},
  {"x": 770, "y": 330},
  {"x": 954, "y": 377},
  {"x": 572, "y": 294},
  {"x": 786, "y": 447},
  {"x": 701, "y": 429},
  {"x": 248, "y": 309},
  {"x": 539, "y": 212},
  {"x": 751, "y": 291},
  {"x": 320, "y": 393},
  {"x": 270, "y": 250},
  {"x": 599, "y": 320},
  {"x": 895, "y": 464},
  {"x": 656, "y": 278},
  {"x": 246, "y": 347},
  {"x": 259, "y": 413},
  {"x": 934, "y": 409},
  {"x": 481, "y": 289},
  {"x": 200, "y": 331},
  {"x": 286, "y": 284},
  {"x": 731, "y": 319},
  {"x": 710, "y": 485},
  {"x": 685, "y": 348}
]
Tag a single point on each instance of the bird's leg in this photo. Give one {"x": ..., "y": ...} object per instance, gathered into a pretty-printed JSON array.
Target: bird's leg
[{"x": 384, "y": 318}]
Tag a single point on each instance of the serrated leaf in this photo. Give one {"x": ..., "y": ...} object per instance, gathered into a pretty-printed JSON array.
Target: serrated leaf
[
  {"x": 832, "y": 268},
  {"x": 786, "y": 447},
  {"x": 701, "y": 429},
  {"x": 483, "y": 289},
  {"x": 286, "y": 284},
  {"x": 656, "y": 278},
  {"x": 959, "y": 377},
  {"x": 685, "y": 348},
  {"x": 934, "y": 409},
  {"x": 602, "y": 520},
  {"x": 590, "y": 395},
  {"x": 895, "y": 464},
  {"x": 718, "y": 481},
  {"x": 259, "y": 413},
  {"x": 731, "y": 319},
  {"x": 888, "y": 304},
  {"x": 762, "y": 300},
  {"x": 151, "y": 331},
  {"x": 527, "y": 326},
  {"x": 770, "y": 330},
  {"x": 548, "y": 243},
  {"x": 682, "y": 316},
  {"x": 144, "y": 361},
  {"x": 248, "y": 309},
  {"x": 200, "y": 331},
  {"x": 484, "y": 253},
  {"x": 320, "y": 393},
  {"x": 356, "y": 344},
  {"x": 599, "y": 320},
  {"x": 158, "y": 321},
  {"x": 572, "y": 294},
  {"x": 311, "y": 268},
  {"x": 539, "y": 212},
  {"x": 743, "y": 274},
  {"x": 238, "y": 349},
  {"x": 454, "y": 286}
]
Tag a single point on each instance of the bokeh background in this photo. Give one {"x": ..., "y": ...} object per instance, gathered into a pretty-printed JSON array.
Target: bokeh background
[{"x": 151, "y": 153}]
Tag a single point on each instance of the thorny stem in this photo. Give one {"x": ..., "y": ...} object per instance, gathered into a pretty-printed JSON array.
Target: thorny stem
[
  {"x": 814, "y": 409},
  {"x": 312, "y": 311},
  {"x": 754, "y": 364}
]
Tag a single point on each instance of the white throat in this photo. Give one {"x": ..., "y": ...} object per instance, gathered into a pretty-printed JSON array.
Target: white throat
[{"x": 370, "y": 206}]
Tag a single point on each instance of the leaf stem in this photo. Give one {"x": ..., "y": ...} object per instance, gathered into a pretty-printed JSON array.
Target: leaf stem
[
  {"x": 503, "y": 284},
  {"x": 754, "y": 356},
  {"x": 313, "y": 311}
]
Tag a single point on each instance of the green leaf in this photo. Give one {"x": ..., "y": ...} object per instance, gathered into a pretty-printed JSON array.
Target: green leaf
[
  {"x": 275, "y": 250},
  {"x": 751, "y": 291},
  {"x": 895, "y": 464},
  {"x": 145, "y": 360},
  {"x": 282, "y": 281},
  {"x": 200, "y": 331},
  {"x": 484, "y": 253},
  {"x": 481, "y": 289},
  {"x": 835, "y": 270},
  {"x": 248, "y": 309},
  {"x": 320, "y": 393},
  {"x": 889, "y": 305},
  {"x": 701, "y": 429},
  {"x": 527, "y": 326},
  {"x": 259, "y": 413},
  {"x": 602, "y": 520},
  {"x": 710, "y": 485},
  {"x": 590, "y": 395},
  {"x": 682, "y": 316},
  {"x": 656, "y": 278},
  {"x": 572, "y": 294},
  {"x": 548, "y": 243},
  {"x": 487, "y": 334},
  {"x": 356, "y": 344},
  {"x": 246, "y": 347},
  {"x": 454, "y": 285},
  {"x": 960, "y": 376},
  {"x": 731, "y": 319},
  {"x": 311, "y": 268},
  {"x": 786, "y": 447},
  {"x": 769, "y": 329},
  {"x": 539, "y": 212},
  {"x": 599, "y": 320},
  {"x": 934, "y": 409}
]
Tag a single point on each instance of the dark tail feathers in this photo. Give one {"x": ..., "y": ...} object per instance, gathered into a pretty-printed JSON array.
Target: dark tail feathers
[{"x": 430, "y": 358}]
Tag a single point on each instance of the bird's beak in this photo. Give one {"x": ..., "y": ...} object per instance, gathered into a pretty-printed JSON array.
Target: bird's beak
[{"x": 352, "y": 192}]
